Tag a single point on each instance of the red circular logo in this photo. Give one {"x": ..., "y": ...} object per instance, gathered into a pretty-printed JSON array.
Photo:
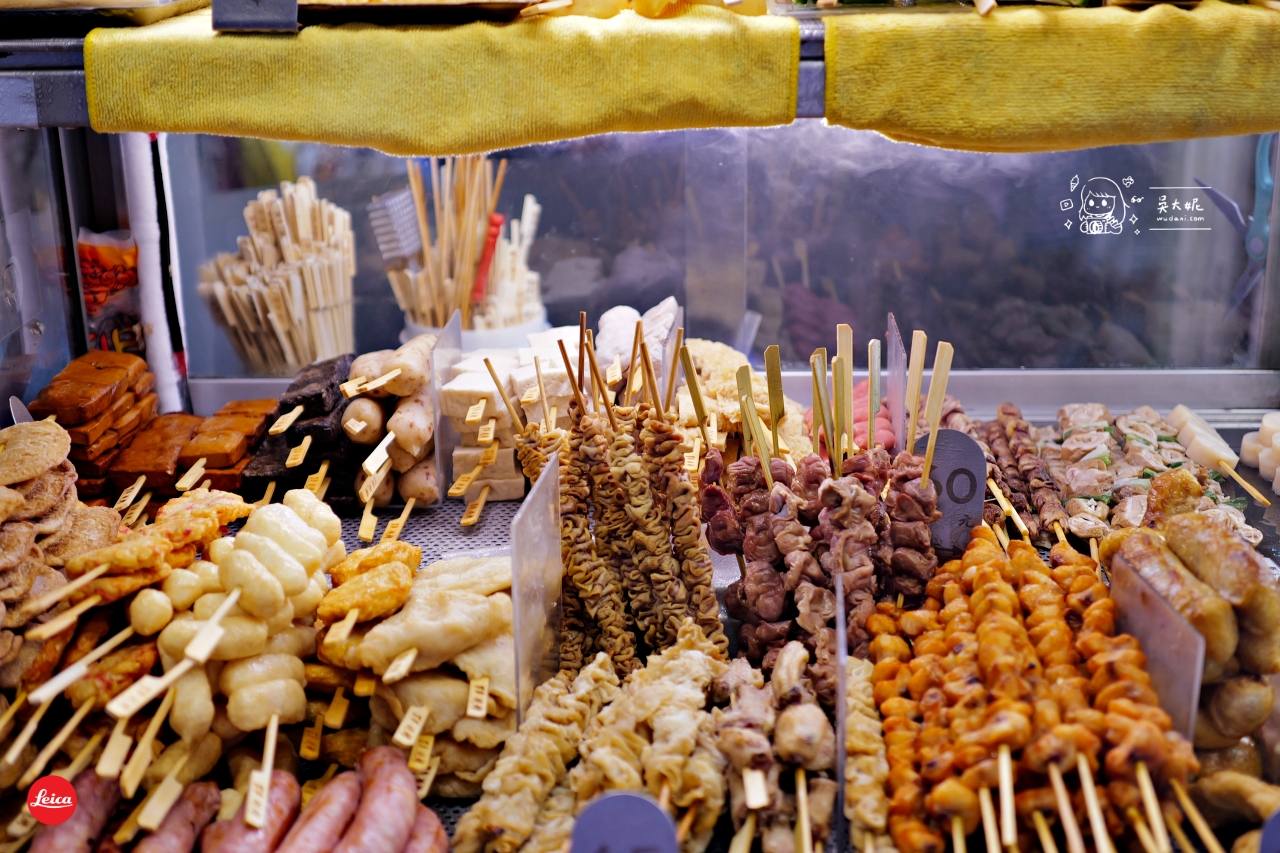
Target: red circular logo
[{"x": 51, "y": 800}]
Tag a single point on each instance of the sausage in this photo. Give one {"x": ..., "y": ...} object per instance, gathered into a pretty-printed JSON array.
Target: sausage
[
  {"x": 327, "y": 816},
  {"x": 414, "y": 421},
  {"x": 374, "y": 419},
  {"x": 96, "y": 799},
  {"x": 386, "y": 814},
  {"x": 182, "y": 825},
  {"x": 428, "y": 835},
  {"x": 369, "y": 366},
  {"x": 414, "y": 361},
  {"x": 282, "y": 807}
]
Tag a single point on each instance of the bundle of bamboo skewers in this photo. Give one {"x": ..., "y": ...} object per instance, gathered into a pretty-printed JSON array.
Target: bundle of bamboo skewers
[
  {"x": 472, "y": 260},
  {"x": 285, "y": 297}
]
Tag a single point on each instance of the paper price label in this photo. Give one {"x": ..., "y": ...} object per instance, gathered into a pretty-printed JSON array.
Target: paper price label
[
  {"x": 472, "y": 515},
  {"x": 489, "y": 456},
  {"x": 354, "y": 426},
  {"x": 370, "y": 486},
  {"x": 266, "y": 495},
  {"x": 400, "y": 666},
  {"x": 366, "y": 683},
  {"x": 135, "y": 512},
  {"x": 713, "y": 433},
  {"x": 476, "y": 412},
  {"x": 613, "y": 375},
  {"x": 426, "y": 779},
  {"x": 299, "y": 453},
  {"x": 285, "y": 421},
  {"x": 420, "y": 756},
  {"x": 351, "y": 388},
  {"x": 192, "y": 476},
  {"x": 337, "y": 713},
  {"x": 530, "y": 396},
  {"x": 313, "y": 482},
  {"x": 380, "y": 381},
  {"x": 478, "y": 698},
  {"x": 485, "y": 435},
  {"x": 411, "y": 726},
  {"x": 310, "y": 749},
  {"x": 460, "y": 486},
  {"x": 127, "y": 496},
  {"x": 255, "y": 802}
]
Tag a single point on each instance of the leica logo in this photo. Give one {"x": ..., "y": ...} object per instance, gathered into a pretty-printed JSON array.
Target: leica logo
[{"x": 51, "y": 801}]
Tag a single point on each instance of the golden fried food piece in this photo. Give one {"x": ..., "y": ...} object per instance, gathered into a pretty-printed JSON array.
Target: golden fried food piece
[
  {"x": 11, "y": 501},
  {"x": 226, "y": 507},
  {"x": 109, "y": 677},
  {"x": 46, "y": 660},
  {"x": 344, "y": 654},
  {"x": 360, "y": 561},
  {"x": 181, "y": 558},
  {"x": 92, "y": 631},
  {"x": 326, "y": 678},
  {"x": 140, "y": 551},
  {"x": 86, "y": 529},
  {"x": 115, "y": 587},
  {"x": 182, "y": 529},
  {"x": 30, "y": 449},
  {"x": 378, "y": 592},
  {"x": 343, "y": 747},
  {"x": 1171, "y": 493}
]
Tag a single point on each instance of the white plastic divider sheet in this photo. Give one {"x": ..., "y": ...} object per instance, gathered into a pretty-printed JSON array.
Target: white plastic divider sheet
[
  {"x": 896, "y": 383},
  {"x": 536, "y": 574},
  {"x": 446, "y": 353},
  {"x": 1174, "y": 650}
]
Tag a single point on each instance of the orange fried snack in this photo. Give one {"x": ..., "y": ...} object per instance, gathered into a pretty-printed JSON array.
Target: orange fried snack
[
  {"x": 378, "y": 592},
  {"x": 109, "y": 677},
  {"x": 137, "y": 553}
]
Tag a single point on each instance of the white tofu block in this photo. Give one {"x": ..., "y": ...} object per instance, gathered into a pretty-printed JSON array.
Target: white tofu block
[
  {"x": 533, "y": 413},
  {"x": 554, "y": 379},
  {"x": 1267, "y": 464},
  {"x": 466, "y": 458},
  {"x": 1270, "y": 428},
  {"x": 1250, "y": 447},
  {"x": 465, "y": 390},
  {"x": 547, "y": 339},
  {"x": 504, "y": 489},
  {"x": 504, "y": 437},
  {"x": 504, "y": 361},
  {"x": 548, "y": 356}
]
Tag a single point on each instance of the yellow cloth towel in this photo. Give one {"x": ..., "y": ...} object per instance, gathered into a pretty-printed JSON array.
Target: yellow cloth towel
[
  {"x": 447, "y": 90},
  {"x": 1044, "y": 78}
]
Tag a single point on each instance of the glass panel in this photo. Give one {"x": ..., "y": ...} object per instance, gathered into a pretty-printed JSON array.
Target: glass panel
[
  {"x": 34, "y": 339},
  {"x": 1109, "y": 257}
]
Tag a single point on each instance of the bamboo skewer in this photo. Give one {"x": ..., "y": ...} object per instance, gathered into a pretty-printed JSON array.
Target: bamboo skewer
[
  {"x": 1150, "y": 802},
  {"x": 599, "y": 380},
  {"x": 990, "y": 826},
  {"x": 958, "y": 844},
  {"x": 695, "y": 393},
  {"x": 777, "y": 404},
  {"x": 673, "y": 369},
  {"x": 933, "y": 409},
  {"x": 915, "y": 377},
  {"x": 1008, "y": 818},
  {"x": 873, "y": 390},
  {"x": 1140, "y": 829},
  {"x": 1047, "y": 844},
  {"x": 1210, "y": 840},
  {"x": 1070, "y": 827},
  {"x": 1097, "y": 823},
  {"x": 844, "y": 349}
]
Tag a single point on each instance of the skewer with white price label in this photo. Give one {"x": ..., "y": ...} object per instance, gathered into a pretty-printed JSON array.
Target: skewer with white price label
[
  {"x": 285, "y": 421},
  {"x": 25, "y": 823},
  {"x": 355, "y": 426},
  {"x": 24, "y": 737},
  {"x": 400, "y": 667},
  {"x": 336, "y": 716},
  {"x": 298, "y": 455},
  {"x": 161, "y": 798},
  {"x": 754, "y": 788},
  {"x": 420, "y": 755},
  {"x": 472, "y": 515},
  {"x": 379, "y": 457},
  {"x": 193, "y": 475},
  {"x": 396, "y": 525},
  {"x": 134, "y": 512},
  {"x": 143, "y": 755},
  {"x": 382, "y": 380},
  {"x": 478, "y": 698},
  {"x": 64, "y": 679},
  {"x": 475, "y": 414},
  {"x": 127, "y": 496},
  {"x": 266, "y": 495},
  {"x": 368, "y": 523},
  {"x": 613, "y": 375},
  {"x": 694, "y": 456},
  {"x": 351, "y": 387},
  {"x": 315, "y": 480},
  {"x": 530, "y": 396},
  {"x": 313, "y": 786},
  {"x": 425, "y": 780},
  {"x": 371, "y": 483},
  {"x": 411, "y": 726},
  {"x": 255, "y": 802},
  {"x": 340, "y": 632},
  {"x": 487, "y": 458},
  {"x": 51, "y": 748},
  {"x": 695, "y": 394}
]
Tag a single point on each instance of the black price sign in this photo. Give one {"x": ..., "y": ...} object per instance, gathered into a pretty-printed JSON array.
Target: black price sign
[
  {"x": 624, "y": 822},
  {"x": 959, "y": 473}
]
